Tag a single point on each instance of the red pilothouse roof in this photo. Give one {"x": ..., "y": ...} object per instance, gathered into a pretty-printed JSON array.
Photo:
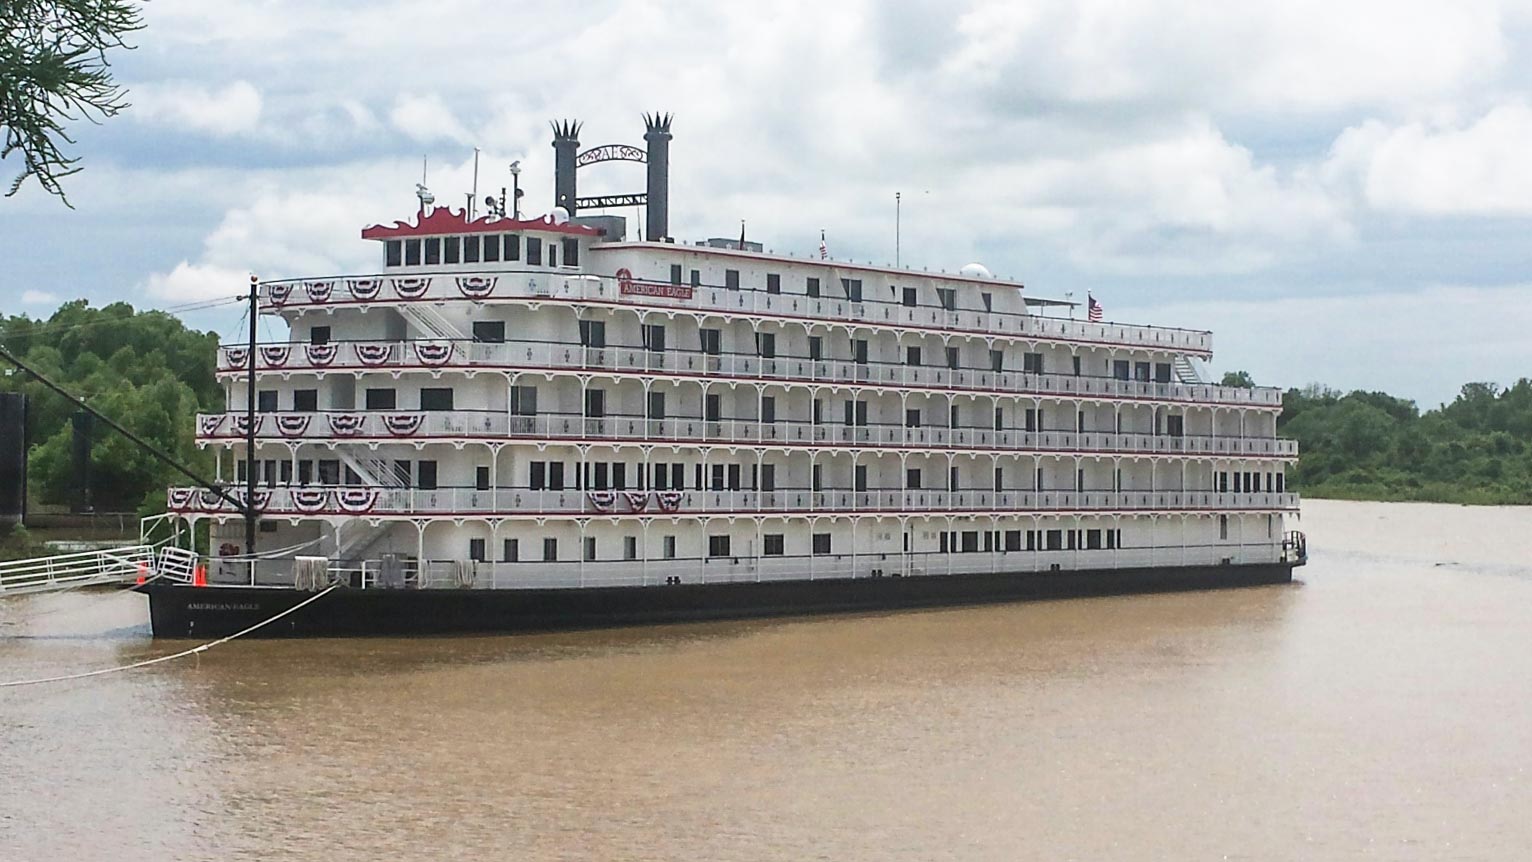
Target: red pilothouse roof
[{"x": 444, "y": 221}]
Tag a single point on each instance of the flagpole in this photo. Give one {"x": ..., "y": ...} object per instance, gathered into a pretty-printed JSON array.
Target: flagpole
[{"x": 897, "y": 219}]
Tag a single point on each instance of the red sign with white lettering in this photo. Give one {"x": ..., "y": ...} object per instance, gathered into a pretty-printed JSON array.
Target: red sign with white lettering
[{"x": 628, "y": 286}]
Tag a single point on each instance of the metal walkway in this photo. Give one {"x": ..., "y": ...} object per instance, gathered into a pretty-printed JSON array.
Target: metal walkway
[{"x": 87, "y": 568}]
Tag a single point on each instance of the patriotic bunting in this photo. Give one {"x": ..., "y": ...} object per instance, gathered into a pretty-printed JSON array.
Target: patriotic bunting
[
  {"x": 476, "y": 286},
  {"x": 364, "y": 289},
  {"x": 346, "y": 424},
  {"x": 669, "y": 500},
  {"x": 637, "y": 500},
  {"x": 208, "y": 426},
  {"x": 411, "y": 288},
  {"x": 293, "y": 426},
  {"x": 373, "y": 355},
  {"x": 236, "y": 357},
  {"x": 278, "y": 293},
  {"x": 276, "y": 356},
  {"x": 403, "y": 424},
  {"x": 179, "y": 499},
  {"x": 309, "y": 500},
  {"x": 318, "y": 291},
  {"x": 433, "y": 354},
  {"x": 356, "y": 500},
  {"x": 602, "y": 500},
  {"x": 321, "y": 355}
]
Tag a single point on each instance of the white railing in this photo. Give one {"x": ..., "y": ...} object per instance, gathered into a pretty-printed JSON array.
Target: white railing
[
  {"x": 404, "y": 426},
  {"x": 318, "y": 501},
  {"x": 68, "y": 571},
  {"x": 545, "y": 284},
  {"x": 536, "y": 355}
]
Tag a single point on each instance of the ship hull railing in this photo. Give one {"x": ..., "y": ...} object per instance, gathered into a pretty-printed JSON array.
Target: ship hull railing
[
  {"x": 541, "y": 285},
  {"x": 372, "y": 502},
  {"x": 406, "y": 425},
  {"x": 513, "y": 356}
]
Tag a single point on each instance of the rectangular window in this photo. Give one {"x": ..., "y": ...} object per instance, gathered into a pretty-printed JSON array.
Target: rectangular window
[
  {"x": 537, "y": 475},
  {"x": 816, "y": 477},
  {"x": 319, "y": 335},
  {"x": 1121, "y": 369},
  {"x": 656, "y": 405},
  {"x": 696, "y": 278},
  {"x": 712, "y": 342},
  {"x": 948, "y": 297},
  {"x": 412, "y": 252},
  {"x": 859, "y": 351},
  {"x": 630, "y": 547},
  {"x": 768, "y": 477},
  {"x": 534, "y": 251},
  {"x": 772, "y": 545},
  {"x": 773, "y": 283},
  {"x": 668, "y": 547},
  {"x": 817, "y": 416},
  {"x": 550, "y": 549},
  {"x": 712, "y": 407},
  {"x": 654, "y": 337},
  {"x": 425, "y": 475},
  {"x": 393, "y": 253},
  {"x": 1141, "y": 372},
  {"x": 675, "y": 273},
  {"x": 766, "y": 345},
  {"x": 553, "y": 254},
  {"x": 1093, "y": 540},
  {"x": 989, "y": 301},
  {"x": 476, "y": 550},
  {"x": 436, "y": 398},
  {"x": 571, "y": 251},
  {"x": 811, "y": 287},
  {"x": 1054, "y": 540},
  {"x": 510, "y": 551},
  {"x": 853, "y": 288},
  {"x": 512, "y": 247},
  {"x": 1032, "y": 363},
  {"x": 859, "y": 479},
  {"x": 1076, "y": 365},
  {"x": 329, "y": 471},
  {"x": 970, "y": 541},
  {"x": 912, "y": 355},
  {"x": 997, "y": 361},
  {"x": 470, "y": 249},
  {"x": 999, "y": 479},
  {"x": 590, "y": 548},
  {"x": 556, "y": 475},
  {"x": 266, "y": 400},
  {"x": 1175, "y": 425},
  {"x": 909, "y": 297},
  {"x": 489, "y": 331},
  {"x": 491, "y": 249},
  {"x": 768, "y": 409},
  {"x": 481, "y": 478},
  {"x": 593, "y": 333},
  {"x": 912, "y": 417},
  {"x": 452, "y": 249},
  {"x": 731, "y": 279},
  {"x": 821, "y": 544},
  {"x": 816, "y": 348},
  {"x": 306, "y": 400},
  {"x": 1162, "y": 372},
  {"x": 433, "y": 250},
  {"x": 718, "y": 546},
  {"x": 952, "y": 357},
  {"x": 523, "y": 401},
  {"x": 595, "y": 403},
  {"x": 1013, "y": 540},
  {"x": 912, "y": 479}
]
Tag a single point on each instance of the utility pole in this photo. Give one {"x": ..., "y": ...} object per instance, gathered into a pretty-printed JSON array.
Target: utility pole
[
  {"x": 897, "y": 196},
  {"x": 250, "y": 514}
]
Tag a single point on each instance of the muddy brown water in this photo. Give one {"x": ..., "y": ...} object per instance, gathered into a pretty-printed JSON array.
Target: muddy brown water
[{"x": 1378, "y": 709}]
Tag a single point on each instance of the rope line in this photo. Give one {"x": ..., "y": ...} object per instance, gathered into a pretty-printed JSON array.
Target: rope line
[{"x": 164, "y": 658}]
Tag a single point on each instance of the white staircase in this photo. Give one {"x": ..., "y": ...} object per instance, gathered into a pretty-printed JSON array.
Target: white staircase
[
  {"x": 1192, "y": 371},
  {"x": 430, "y": 322},
  {"x": 357, "y": 538},
  {"x": 373, "y": 470}
]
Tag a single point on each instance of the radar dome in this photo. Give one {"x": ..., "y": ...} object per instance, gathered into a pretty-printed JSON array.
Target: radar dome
[
  {"x": 975, "y": 270},
  {"x": 559, "y": 215}
]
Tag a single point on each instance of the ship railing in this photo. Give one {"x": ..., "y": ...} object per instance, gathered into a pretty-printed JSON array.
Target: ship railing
[
  {"x": 80, "y": 569},
  {"x": 541, "y": 284},
  {"x": 404, "y": 425},
  {"x": 469, "y": 574},
  {"x": 321, "y": 501},
  {"x": 511, "y": 355}
]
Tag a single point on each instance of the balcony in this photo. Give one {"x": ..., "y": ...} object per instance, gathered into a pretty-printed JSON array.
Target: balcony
[
  {"x": 542, "y": 285},
  {"x": 320, "y": 501},
  {"x": 538, "y": 355},
  {"x": 410, "y": 426}
]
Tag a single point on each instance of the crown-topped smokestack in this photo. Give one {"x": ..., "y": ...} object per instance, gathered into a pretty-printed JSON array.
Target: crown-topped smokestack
[
  {"x": 657, "y": 136},
  {"x": 566, "y": 146}
]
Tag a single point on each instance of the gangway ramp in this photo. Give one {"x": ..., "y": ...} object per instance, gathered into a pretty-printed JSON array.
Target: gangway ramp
[{"x": 69, "y": 571}]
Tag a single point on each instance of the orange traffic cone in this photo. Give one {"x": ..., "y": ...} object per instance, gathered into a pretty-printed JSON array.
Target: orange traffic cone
[
  {"x": 143, "y": 573},
  {"x": 199, "y": 576}
]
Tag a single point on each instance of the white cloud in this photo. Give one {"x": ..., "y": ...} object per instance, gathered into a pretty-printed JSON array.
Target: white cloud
[
  {"x": 39, "y": 297},
  {"x": 232, "y": 110},
  {"x": 189, "y": 281},
  {"x": 1478, "y": 169},
  {"x": 426, "y": 119}
]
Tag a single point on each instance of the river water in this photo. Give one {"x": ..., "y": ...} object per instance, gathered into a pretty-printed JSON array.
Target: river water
[{"x": 1378, "y": 709}]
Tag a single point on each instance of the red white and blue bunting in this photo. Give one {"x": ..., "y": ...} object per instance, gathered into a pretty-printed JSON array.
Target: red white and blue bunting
[
  {"x": 319, "y": 291},
  {"x": 411, "y": 288},
  {"x": 476, "y": 286},
  {"x": 356, "y": 500},
  {"x": 236, "y": 357},
  {"x": 179, "y": 499},
  {"x": 364, "y": 289},
  {"x": 241, "y": 424},
  {"x": 403, "y": 424},
  {"x": 346, "y": 424},
  {"x": 603, "y": 501},
  {"x": 309, "y": 500},
  {"x": 275, "y": 356},
  {"x": 373, "y": 355},
  {"x": 320, "y": 355},
  {"x": 433, "y": 354},
  {"x": 278, "y": 293},
  {"x": 637, "y": 500},
  {"x": 293, "y": 426},
  {"x": 208, "y": 426},
  {"x": 669, "y": 500}
]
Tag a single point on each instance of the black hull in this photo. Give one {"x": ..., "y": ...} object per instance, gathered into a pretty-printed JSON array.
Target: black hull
[{"x": 179, "y": 611}]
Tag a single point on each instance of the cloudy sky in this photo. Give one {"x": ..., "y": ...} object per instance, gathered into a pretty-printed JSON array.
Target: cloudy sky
[{"x": 1341, "y": 190}]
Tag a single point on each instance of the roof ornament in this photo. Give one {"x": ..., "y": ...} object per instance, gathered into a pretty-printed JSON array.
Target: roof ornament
[{"x": 427, "y": 200}]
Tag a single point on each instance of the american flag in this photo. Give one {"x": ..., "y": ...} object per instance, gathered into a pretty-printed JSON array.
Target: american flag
[
  {"x": 1093, "y": 312},
  {"x": 824, "y": 250}
]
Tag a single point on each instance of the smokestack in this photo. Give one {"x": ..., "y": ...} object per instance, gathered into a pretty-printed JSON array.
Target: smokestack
[
  {"x": 657, "y": 136},
  {"x": 566, "y": 145}
]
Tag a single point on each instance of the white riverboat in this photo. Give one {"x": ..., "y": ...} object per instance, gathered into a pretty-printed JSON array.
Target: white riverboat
[{"x": 530, "y": 422}]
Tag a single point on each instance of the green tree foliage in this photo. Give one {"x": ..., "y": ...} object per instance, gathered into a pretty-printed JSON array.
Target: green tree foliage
[
  {"x": 1238, "y": 379},
  {"x": 144, "y": 369},
  {"x": 1369, "y": 445},
  {"x": 53, "y": 71}
]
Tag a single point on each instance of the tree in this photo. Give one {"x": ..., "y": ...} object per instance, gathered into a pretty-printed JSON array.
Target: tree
[
  {"x": 1239, "y": 379},
  {"x": 53, "y": 70}
]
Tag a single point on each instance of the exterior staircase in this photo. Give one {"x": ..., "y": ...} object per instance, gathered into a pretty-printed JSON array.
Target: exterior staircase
[
  {"x": 430, "y": 322},
  {"x": 374, "y": 471},
  {"x": 1192, "y": 371}
]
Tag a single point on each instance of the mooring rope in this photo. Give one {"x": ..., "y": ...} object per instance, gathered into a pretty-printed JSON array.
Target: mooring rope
[{"x": 164, "y": 658}]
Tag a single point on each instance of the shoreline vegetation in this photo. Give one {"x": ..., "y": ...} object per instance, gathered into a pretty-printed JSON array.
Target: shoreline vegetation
[{"x": 152, "y": 373}]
